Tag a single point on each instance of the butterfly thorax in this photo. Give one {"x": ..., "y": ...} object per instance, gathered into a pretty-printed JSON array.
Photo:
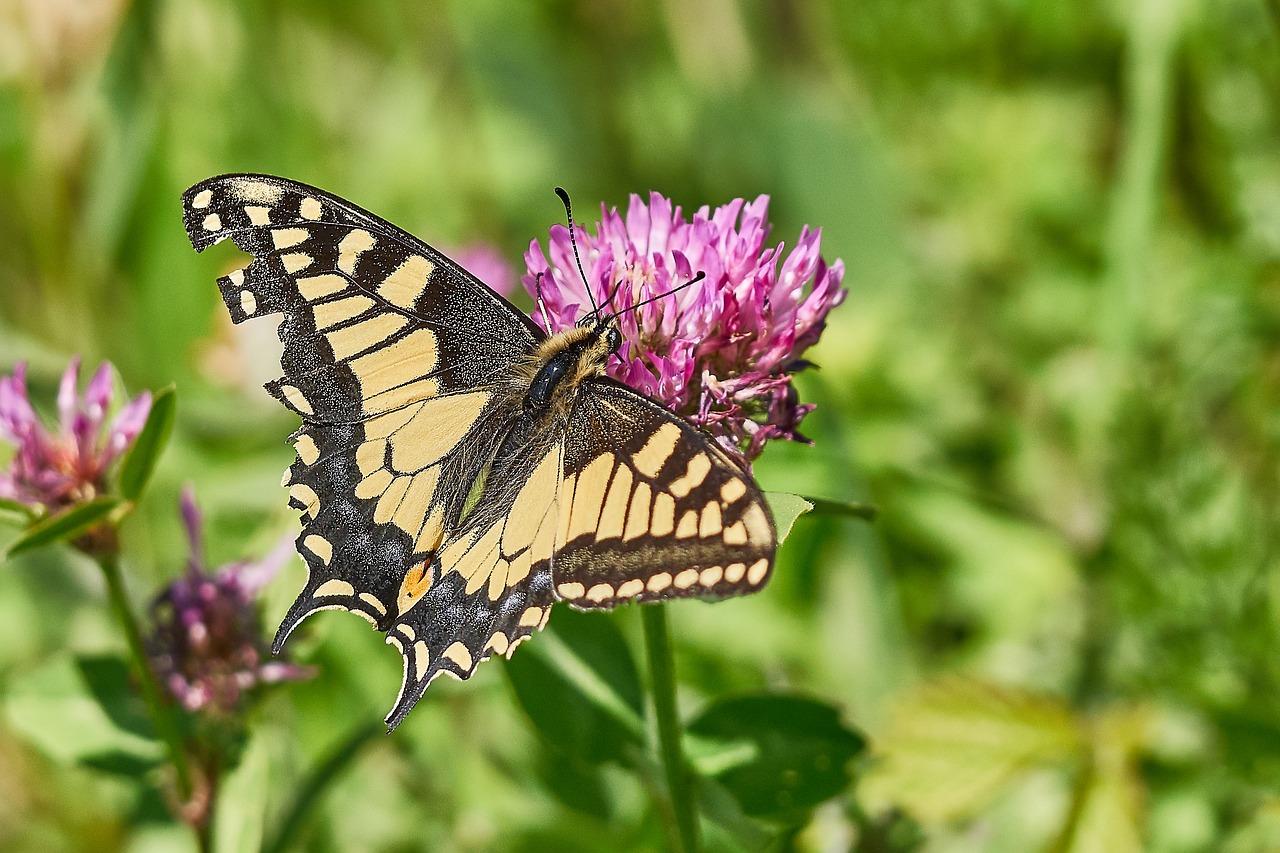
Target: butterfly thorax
[{"x": 562, "y": 362}]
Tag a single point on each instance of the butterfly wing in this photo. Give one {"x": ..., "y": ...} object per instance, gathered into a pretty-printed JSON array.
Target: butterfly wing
[
  {"x": 624, "y": 502},
  {"x": 399, "y": 363},
  {"x": 488, "y": 586},
  {"x": 655, "y": 510}
]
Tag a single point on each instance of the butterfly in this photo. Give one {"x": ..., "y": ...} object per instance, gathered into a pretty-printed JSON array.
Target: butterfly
[{"x": 458, "y": 469}]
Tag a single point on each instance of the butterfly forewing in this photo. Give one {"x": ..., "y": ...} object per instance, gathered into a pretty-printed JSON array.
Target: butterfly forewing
[
  {"x": 652, "y": 509},
  {"x": 398, "y": 362}
]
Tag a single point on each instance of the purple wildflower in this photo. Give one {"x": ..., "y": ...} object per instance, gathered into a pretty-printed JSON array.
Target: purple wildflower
[
  {"x": 487, "y": 264},
  {"x": 207, "y": 645},
  {"x": 53, "y": 470},
  {"x": 722, "y": 351}
]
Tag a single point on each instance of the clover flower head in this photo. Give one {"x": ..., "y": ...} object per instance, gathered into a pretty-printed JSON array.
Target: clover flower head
[
  {"x": 721, "y": 351},
  {"x": 207, "y": 645},
  {"x": 53, "y": 469}
]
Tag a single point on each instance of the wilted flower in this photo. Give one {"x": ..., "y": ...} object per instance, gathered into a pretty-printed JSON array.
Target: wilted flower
[
  {"x": 487, "y": 264},
  {"x": 207, "y": 645},
  {"x": 52, "y": 470},
  {"x": 721, "y": 351}
]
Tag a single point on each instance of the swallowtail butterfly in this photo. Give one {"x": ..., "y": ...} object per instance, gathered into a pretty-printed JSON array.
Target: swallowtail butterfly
[{"x": 458, "y": 469}]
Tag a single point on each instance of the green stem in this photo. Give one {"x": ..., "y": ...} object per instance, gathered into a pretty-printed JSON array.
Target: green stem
[
  {"x": 1154, "y": 30},
  {"x": 662, "y": 677},
  {"x": 166, "y": 727},
  {"x": 309, "y": 795}
]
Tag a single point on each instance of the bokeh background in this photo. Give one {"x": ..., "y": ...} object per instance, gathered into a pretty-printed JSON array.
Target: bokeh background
[{"x": 1057, "y": 377}]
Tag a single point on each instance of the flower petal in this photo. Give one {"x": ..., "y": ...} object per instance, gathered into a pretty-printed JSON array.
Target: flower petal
[{"x": 67, "y": 402}]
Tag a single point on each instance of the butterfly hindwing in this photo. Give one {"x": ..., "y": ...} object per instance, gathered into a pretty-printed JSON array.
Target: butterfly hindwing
[
  {"x": 652, "y": 509},
  {"x": 398, "y": 362},
  {"x": 488, "y": 586}
]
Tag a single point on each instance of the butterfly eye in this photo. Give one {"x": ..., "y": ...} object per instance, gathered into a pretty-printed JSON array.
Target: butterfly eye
[{"x": 614, "y": 339}]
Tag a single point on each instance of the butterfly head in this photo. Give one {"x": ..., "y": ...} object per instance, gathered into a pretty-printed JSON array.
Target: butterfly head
[
  {"x": 601, "y": 331},
  {"x": 597, "y": 325},
  {"x": 563, "y": 361},
  {"x": 600, "y": 340}
]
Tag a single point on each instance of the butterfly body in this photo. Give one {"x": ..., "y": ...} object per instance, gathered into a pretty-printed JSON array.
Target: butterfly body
[
  {"x": 459, "y": 470},
  {"x": 565, "y": 361}
]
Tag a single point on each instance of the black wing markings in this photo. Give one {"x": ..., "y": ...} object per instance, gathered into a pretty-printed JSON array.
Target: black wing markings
[{"x": 202, "y": 238}]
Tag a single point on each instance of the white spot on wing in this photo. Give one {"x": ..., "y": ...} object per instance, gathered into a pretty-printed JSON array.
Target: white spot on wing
[
  {"x": 259, "y": 192},
  {"x": 570, "y": 590},
  {"x": 323, "y": 549},
  {"x": 459, "y": 654},
  {"x": 333, "y": 586}
]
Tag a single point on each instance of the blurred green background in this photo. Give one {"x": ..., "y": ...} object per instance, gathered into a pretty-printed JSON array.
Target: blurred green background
[{"x": 1057, "y": 376}]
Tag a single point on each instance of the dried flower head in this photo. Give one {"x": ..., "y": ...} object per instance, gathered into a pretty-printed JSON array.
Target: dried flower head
[
  {"x": 207, "y": 645},
  {"x": 51, "y": 470},
  {"x": 721, "y": 351}
]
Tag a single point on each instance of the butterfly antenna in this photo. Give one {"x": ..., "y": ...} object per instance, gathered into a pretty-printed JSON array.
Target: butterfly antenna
[
  {"x": 568, "y": 211},
  {"x": 697, "y": 278},
  {"x": 542, "y": 306},
  {"x": 613, "y": 293}
]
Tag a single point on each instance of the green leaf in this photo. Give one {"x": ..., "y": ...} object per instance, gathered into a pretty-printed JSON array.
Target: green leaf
[
  {"x": 722, "y": 808},
  {"x": 843, "y": 509},
  {"x": 951, "y": 747},
  {"x": 141, "y": 460},
  {"x": 55, "y": 710},
  {"x": 579, "y": 685},
  {"x": 63, "y": 526},
  {"x": 311, "y": 789},
  {"x": 18, "y": 509},
  {"x": 118, "y": 763},
  {"x": 110, "y": 682},
  {"x": 1108, "y": 810},
  {"x": 578, "y": 785},
  {"x": 778, "y": 755},
  {"x": 242, "y": 802},
  {"x": 786, "y": 508}
]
